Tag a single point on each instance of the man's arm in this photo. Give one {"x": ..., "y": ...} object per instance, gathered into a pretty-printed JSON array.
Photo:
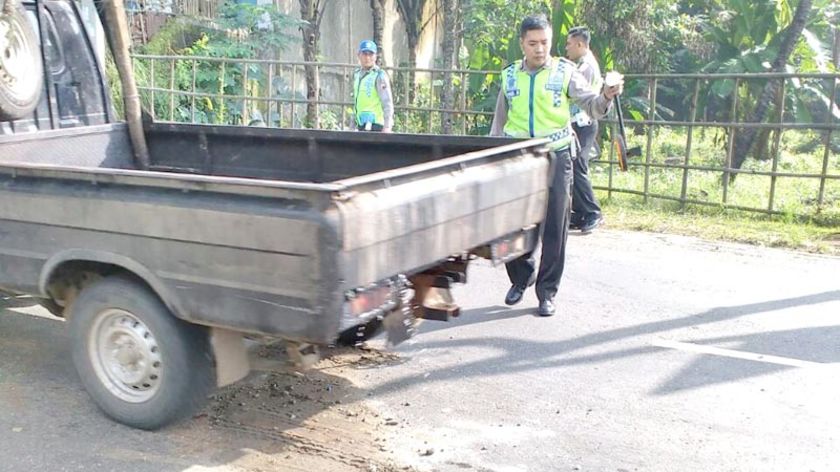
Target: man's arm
[
  {"x": 587, "y": 71},
  {"x": 383, "y": 88},
  {"x": 500, "y": 116},
  {"x": 596, "y": 104}
]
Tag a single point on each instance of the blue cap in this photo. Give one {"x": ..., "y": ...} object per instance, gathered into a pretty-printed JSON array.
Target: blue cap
[{"x": 367, "y": 46}]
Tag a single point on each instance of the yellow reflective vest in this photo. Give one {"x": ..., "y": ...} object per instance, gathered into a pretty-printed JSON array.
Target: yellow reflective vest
[
  {"x": 367, "y": 104},
  {"x": 538, "y": 104}
]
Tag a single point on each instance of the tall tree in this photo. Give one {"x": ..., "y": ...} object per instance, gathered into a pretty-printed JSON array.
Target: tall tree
[
  {"x": 411, "y": 12},
  {"x": 745, "y": 140},
  {"x": 312, "y": 12},
  {"x": 835, "y": 49},
  {"x": 377, "y": 8},
  {"x": 451, "y": 44}
]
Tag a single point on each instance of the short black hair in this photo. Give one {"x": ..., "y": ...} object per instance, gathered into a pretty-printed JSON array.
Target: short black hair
[
  {"x": 582, "y": 33},
  {"x": 534, "y": 22}
]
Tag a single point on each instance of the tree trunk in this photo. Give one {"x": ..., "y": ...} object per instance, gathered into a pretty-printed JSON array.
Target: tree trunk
[
  {"x": 450, "y": 46},
  {"x": 746, "y": 138},
  {"x": 311, "y": 12},
  {"x": 378, "y": 9},
  {"x": 835, "y": 51},
  {"x": 413, "y": 39},
  {"x": 411, "y": 12}
]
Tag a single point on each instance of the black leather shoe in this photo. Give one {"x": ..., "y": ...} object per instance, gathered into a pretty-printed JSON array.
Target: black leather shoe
[
  {"x": 591, "y": 223},
  {"x": 514, "y": 295},
  {"x": 547, "y": 308}
]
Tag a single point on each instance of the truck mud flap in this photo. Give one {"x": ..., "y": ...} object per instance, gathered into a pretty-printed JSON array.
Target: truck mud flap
[{"x": 399, "y": 326}]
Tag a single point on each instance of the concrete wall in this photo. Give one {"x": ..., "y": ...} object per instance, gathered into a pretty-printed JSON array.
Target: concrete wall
[{"x": 346, "y": 22}]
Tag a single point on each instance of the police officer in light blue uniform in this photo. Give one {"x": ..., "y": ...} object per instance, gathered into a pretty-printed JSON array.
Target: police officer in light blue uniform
[
  {"x": 586, "y": 212},
  {"x": 373, "y": 105},
  {"x": 534, "y": 101}
]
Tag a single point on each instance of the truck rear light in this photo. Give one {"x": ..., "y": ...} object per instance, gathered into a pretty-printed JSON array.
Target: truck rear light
[
  {"x": 365, "y": 301},
  {"x": 364, "y": 304},
  {"x": 507, "y": 249}
]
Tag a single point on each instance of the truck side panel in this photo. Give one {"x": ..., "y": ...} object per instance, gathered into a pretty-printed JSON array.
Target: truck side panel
[
  {"x": 94, "y": 146},
  {"x": 249, "y": 263}
]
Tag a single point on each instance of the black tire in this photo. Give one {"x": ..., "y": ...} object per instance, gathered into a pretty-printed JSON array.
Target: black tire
[
  {"x": 182, "y": 372},
  {"x": 21, "y": 84}
]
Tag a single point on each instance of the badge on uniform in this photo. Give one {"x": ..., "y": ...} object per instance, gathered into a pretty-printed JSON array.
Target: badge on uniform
[
  {"x": 556, "y": 80},
  {"x": 511, "y": 90}
]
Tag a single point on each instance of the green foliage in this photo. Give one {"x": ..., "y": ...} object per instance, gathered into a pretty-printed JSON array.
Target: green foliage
[
  {"x": 492, "y": 30},
  {"x": 241, "y": 32}
]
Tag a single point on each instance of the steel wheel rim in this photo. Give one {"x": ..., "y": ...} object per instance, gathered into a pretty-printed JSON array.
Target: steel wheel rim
[
  {"x": 19, "y": 69},
  {"x": 125, "y": 356}
]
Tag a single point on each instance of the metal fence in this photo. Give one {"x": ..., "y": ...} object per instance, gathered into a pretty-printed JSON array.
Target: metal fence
[
  {"x": 281, "y": 92},
  {"x": 673, "y": 118},
  {"x": 826, "y": 175}
]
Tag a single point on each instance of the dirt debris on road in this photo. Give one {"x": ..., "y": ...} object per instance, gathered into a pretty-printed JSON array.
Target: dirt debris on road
[{"x": 290, "y": 420}]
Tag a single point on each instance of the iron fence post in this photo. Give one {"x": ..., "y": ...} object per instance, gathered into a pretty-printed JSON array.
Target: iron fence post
[
  {"x": 777, "y": 147},
  {"x": 692, "y": 117},
  {"x": 826, "y": 155},
  {"x": 727, "y": 171},
  {"x": 649, "y": 150}
]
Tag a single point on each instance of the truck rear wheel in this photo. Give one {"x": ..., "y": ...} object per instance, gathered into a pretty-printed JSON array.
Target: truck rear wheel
[
  {"x": 142, "y": 366},
  {"x": 21, "y": 67}
]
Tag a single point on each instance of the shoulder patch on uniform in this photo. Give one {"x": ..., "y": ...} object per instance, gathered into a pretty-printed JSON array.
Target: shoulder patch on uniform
[{"x": 517, "y": 64}]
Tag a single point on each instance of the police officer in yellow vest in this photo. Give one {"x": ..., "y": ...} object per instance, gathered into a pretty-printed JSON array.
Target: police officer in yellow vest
[
  {"x": 586, "y": 213},
  {"x": 373, "y": 105},
  {"x": 535, "y": 102}
]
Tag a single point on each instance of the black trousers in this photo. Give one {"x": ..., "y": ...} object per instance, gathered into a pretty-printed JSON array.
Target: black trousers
[
  {"x": 373, "y": 127},
  {"x": 584, "y": 203},
  {"x": 554, "y": 233}
]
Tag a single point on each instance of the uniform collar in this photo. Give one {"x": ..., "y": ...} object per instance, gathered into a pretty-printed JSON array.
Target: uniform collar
[
  {"x": 548, "y": 64},
  {"x": 585, "y": 57}
]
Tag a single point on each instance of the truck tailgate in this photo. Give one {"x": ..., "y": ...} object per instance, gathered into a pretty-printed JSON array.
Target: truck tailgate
[{"x": 405, "y": 220}]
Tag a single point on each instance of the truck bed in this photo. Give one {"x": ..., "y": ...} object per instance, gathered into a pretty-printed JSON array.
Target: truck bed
[
  {"x": 260, "y": 230},
  {"x": 297, "y": 155}
]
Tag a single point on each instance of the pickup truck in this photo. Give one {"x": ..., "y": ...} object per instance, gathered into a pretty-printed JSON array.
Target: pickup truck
[{"x": 305, "y": 235}]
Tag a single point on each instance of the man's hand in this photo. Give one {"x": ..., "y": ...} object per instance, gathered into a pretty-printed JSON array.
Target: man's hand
[
  {"x": 614, "y": 91},
  {"x": 613, "y": 85}
]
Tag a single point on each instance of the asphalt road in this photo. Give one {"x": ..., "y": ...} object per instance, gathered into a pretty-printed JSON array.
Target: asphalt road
[{"x": 667, "y": 354}]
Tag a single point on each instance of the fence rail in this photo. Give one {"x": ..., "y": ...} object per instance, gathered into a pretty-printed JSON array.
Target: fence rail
[{"x": 686, "y": 125}]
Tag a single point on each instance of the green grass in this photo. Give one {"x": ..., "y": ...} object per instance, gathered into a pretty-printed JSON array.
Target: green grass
[
  {"x": 628, "y": 212},
  {"x": 803, "y": 224},
  {"x": 801, "y": 153}
]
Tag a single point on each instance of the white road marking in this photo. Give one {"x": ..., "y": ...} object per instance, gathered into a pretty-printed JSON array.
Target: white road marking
[{"x": 750, "y": 356}]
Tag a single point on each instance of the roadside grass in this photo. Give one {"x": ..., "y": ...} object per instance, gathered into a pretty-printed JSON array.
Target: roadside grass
[
  {"x": 716, "y": 223},
  {"x": 802, "y": 223}
]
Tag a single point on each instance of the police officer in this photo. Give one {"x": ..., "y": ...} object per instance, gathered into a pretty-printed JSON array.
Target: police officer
[
  {"x": 586, "y": 213},
  {"x": 373, "y": 105},
  {"x": 535, "y": 102}
]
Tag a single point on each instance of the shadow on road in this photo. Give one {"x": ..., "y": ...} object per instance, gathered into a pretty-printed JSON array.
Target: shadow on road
[{"x": 522, "y": 355}]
